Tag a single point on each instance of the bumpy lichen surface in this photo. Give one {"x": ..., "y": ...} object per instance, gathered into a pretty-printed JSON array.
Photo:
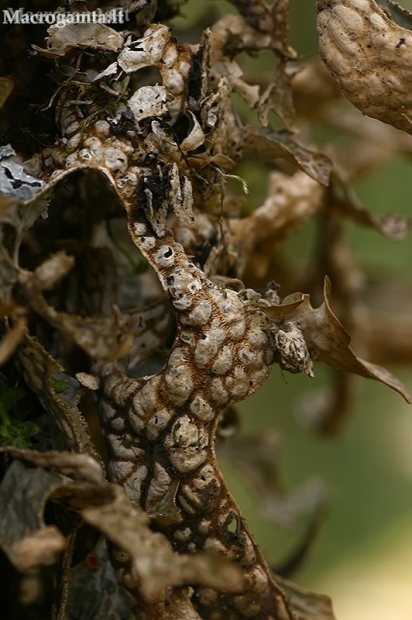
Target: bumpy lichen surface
[
  {"x": 370, "y": 55},
  {"x": 161, "y": 429}
]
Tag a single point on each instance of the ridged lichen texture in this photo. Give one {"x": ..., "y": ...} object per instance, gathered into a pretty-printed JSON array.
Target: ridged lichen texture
[{"x": 143, "y": 293}]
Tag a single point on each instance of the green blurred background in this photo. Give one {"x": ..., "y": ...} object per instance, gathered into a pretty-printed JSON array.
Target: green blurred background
[{"x": 363, "y": 554}]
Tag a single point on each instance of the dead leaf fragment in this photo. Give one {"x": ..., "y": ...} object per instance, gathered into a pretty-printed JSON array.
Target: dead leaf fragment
[
  {"x": 329, "y": 343},
  {"x": 280, "y": 145},
  {"x": 307, "y": 605}
]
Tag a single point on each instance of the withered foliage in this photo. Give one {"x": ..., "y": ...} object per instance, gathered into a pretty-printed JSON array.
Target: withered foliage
[{"x": 141, "y": 300}]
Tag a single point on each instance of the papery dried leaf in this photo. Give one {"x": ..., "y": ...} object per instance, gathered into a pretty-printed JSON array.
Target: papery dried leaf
[
  {"x": 156, "y": 565},
  {"x": 307, "y": 605},
  {"x": 24, "y": 536},
  {"x": 61, "y": 39},
  {"x": 329, "y": 342},
  {"x": 281, "y": 312},
  {"x": 280, "y": 145},
  {"x": 255, "y": 458},
  {"x": 101, "y": 338},
  {"x": 195, "y": 138},
  {"x": 378, "y": 83},
  {"x": 41, "y": 372},
  {"x": 392, "y": 226},
  {"x": 41, "y": 547}
]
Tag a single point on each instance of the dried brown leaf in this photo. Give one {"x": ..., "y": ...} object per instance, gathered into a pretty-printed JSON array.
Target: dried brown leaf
[
  {"x": 391, "y": 226},
  {"x": 307, "y": 605},
  {"x": 291, "y": 201},
  {"x": 329, "y": 342},
  {"x": 280, "y": 145},
  {"x": 41, "y": 547}
]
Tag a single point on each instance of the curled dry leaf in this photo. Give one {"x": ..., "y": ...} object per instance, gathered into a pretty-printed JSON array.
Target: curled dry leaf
[
  {"x": 278, "y": 97},
  {"x": 329, "y": 342},
  {"x": 135, "y": 334},
  {"x": 28, "y": 542},
  {"x": 280, "y": 145},
  {"x": 378, "y": 34},
  {"x": 391, "y": 226},
  {"x": 87, "y": 380},
  {"x": 307, "y": 605}
]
